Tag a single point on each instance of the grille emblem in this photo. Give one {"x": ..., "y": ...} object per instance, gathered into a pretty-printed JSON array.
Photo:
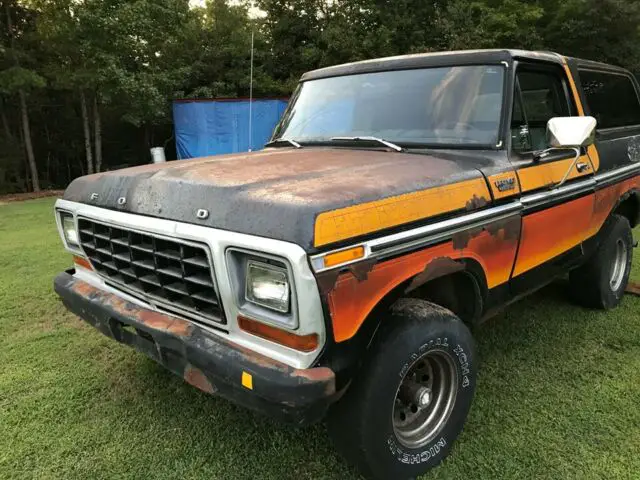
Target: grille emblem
[
  {"x": 122, "y": 200},
  {"x": 202, "y": 214},
  {"x": 94, "y": 196}
]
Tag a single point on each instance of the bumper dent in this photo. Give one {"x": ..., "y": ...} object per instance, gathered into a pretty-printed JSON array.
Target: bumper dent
[{"x": 203, "y": 359}]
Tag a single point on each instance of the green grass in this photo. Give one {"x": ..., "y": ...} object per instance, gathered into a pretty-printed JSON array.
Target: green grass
[{"x": 558, "y": 393}]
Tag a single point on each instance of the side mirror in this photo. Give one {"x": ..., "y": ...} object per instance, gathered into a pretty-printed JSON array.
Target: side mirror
[{"x": 571, "y": 132}]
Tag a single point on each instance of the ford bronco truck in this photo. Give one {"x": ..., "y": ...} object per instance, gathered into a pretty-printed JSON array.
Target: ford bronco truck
[{"x": 338, "y": 271}]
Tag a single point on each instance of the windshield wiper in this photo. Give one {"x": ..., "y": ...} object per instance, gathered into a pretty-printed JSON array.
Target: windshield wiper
[
  {"x": 393, "y": 146},
  {"x": 282, "y": 141}
]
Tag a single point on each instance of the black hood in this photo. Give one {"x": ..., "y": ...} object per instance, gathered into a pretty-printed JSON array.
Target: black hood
[{"x": 275, "y": 193}]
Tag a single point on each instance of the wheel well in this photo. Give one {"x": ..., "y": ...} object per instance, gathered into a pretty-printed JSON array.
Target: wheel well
[
  {"x": 458, "y": 292},
  {"x": 629, "y": 207},
  {"x": 463, "y": 292}
]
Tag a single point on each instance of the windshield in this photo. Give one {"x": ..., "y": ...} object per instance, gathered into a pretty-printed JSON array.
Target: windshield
[{"x": 432, "y": 106}]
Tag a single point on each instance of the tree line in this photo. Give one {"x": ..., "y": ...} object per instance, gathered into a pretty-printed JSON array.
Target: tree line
[{"x": 87, "y": 85}]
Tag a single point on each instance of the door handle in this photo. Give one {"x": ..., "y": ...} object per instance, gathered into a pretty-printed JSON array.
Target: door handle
[{"x": 582, "y": 167}]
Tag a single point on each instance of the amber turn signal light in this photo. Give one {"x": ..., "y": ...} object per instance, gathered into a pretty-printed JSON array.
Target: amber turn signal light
[
  {"x": 82, "y": 262},
  {"x": 343, "y": 256},
  {"x": 304, "y": 343}
]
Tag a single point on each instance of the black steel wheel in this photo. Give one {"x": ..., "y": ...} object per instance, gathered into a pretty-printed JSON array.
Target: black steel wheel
[
  {"x": 408, "y": 403},
  {"x": 601, "y": 282}
]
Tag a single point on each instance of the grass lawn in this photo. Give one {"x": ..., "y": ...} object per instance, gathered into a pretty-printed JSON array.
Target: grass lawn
[{"x": 558, "y": 393}]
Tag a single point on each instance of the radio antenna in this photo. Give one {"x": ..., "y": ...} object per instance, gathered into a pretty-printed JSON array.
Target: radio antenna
[{"x": 251, "y": 93}]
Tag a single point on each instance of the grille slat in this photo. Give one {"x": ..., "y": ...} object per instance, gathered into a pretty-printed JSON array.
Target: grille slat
[
  {"x": 204, "y": 298},
  {"x": 120, "y": 241},
  {"x": 169, "y": 254},
  {"x": 147, "y": 264},
  {"x": 172, "y": 273},
  {"x": 200, "y": 280},
  {"x": 198, "y": 262}
]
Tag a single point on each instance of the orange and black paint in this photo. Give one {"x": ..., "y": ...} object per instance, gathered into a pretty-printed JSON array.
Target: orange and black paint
[{"x": 505, "y": 258}]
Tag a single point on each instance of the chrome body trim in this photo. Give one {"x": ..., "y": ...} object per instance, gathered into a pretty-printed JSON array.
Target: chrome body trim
[
  {"x": 422, "y": 236},
  {"x": 618, "y": 172},
  {"x": 426, "y": 235},
  {"x": 440, "y": 231},
  {"x": 309, "y": 305},
  {"x": 554, "y": 194}
]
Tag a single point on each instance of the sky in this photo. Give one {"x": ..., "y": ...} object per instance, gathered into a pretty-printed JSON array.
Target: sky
[{"x": 254, "y": 12}]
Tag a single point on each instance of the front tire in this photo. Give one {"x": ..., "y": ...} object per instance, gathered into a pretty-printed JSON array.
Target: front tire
[
  {"x": 601, "y": 282},
  {"x": 409, "y": 401}
]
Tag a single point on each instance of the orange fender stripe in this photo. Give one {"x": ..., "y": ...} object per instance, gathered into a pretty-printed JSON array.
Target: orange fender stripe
[{"x": 350, "y": 222}]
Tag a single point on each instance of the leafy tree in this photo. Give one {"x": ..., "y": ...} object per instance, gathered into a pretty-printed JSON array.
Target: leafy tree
[
  {"x": 16, "y": 78},
  {"x": 602, "y": 30},
  {"x": 94, "y": 75}
]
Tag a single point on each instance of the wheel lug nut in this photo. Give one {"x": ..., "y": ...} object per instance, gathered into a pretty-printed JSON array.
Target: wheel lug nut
[{"x": 423, "y": 397}]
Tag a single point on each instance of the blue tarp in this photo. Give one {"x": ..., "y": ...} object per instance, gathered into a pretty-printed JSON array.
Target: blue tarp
[{"x": 213, "y": 127}]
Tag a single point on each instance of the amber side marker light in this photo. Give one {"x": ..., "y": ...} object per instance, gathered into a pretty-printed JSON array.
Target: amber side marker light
[
  {"x": 343, "y": 256},
  {"x": 304, "y": 343},
  {"x": 82, "y": 262}
]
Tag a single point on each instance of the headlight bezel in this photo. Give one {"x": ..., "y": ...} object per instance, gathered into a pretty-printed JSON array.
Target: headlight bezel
[
  {"x": 237, "y": 268},
  {"x": 68, "y": 243}
]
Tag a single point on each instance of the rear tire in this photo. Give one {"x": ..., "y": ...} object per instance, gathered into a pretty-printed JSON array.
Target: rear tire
[
  {"x": 601, "y": 282},
  {"x": 409, "y": 401}
]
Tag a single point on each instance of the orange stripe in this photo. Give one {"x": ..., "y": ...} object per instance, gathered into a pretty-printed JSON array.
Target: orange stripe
[
  {"x": 574, "y": 90},
  {"x": 352, "y": 300},
  {"x": 607, "y": 199},
  {"x": 548, "y": 233},
  {"x": 547, "y": 174},
  {"x": 349, "y": 222},
  {"x": 593, "y": 151}
]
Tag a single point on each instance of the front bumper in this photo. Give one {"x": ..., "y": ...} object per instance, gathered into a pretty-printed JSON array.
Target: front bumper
[{"x": 205, "y": 360}]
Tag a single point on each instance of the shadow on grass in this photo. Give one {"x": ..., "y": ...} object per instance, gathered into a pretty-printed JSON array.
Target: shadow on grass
[{"x": 526, "y": 343}]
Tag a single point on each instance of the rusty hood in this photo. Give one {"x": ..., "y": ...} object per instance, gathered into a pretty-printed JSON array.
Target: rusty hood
[{"x": 275, "y": 193}]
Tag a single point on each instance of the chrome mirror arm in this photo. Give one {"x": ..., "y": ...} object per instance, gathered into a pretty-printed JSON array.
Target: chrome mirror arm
[{"x": 573, "y": 164}]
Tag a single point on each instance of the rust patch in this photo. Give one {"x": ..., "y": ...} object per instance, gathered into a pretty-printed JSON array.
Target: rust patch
[
  {"x": 84, "y": 289},
  {"x": 327, "y": 281},
  {"x": 261, "y": 360},
  {"x": 151, "y": 319},
  {"x": 437, "y": 267},
  {"x": 319, "y": 374},
  {"x": 476, "y": 202},
  {"x": 194, "y": 376},
  {"x": 633, "y": 289},
  {"x": 158, "y": 321},
  {"x": 508, "y": 230},
  {"x": 509, "y": 227},
  {"x": 461, "y": 239},
  {"x": 361, "y": 270}
]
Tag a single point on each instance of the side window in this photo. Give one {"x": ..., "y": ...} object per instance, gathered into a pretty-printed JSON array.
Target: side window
[
  {"x": 539, "y": 96},
  {"x": 611, "y": 97}
]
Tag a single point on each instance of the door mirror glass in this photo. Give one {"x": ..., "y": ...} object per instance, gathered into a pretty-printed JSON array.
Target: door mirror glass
[{"x": 571, "y": 132}]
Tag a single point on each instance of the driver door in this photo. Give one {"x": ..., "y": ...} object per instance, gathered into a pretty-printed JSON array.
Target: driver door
[{"x": 555, "y": 221}]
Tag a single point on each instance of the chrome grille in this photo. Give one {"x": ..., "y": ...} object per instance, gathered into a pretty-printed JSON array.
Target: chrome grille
[{"x": 175, "y": 275}]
